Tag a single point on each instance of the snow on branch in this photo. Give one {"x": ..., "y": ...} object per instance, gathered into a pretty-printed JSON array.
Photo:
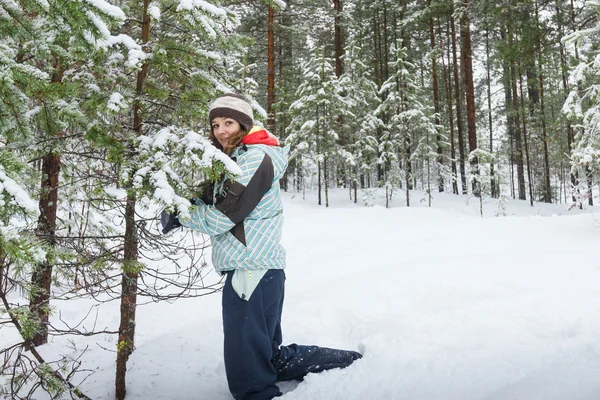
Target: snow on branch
[{"x": 174, "y": 162}]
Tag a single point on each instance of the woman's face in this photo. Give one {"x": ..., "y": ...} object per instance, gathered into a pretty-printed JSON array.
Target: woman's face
[{"x": 224, "y": 129}]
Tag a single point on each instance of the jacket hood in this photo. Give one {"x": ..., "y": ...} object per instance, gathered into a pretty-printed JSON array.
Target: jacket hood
[
  {"x": 267, "y": 143},
  {"x": 258, "y": 135}
]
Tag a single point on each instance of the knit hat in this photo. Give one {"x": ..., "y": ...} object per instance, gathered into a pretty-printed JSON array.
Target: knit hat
[{"x": 234, "y": 106}]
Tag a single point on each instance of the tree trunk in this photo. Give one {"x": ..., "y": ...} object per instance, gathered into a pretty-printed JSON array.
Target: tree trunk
[
  {"x": 467, "y": 64},
  {"x": 459, "y": 125},
  {"x": 574, "y": 176},
  {"x": 529, "y": 177},
  {"x": 270, "y": 68},
  {"x": 379, "y": 49},
  {"x": 494, "y": 190},
  {"x": 339, "y": 47},
  {"x": 46, "y": 231},
  {"x": 407, "y": 175},
  {"x": 518, "y": 138},
  {"x": 376, "y": 52},
  {"x": 355, "y": 182},
  {"x": 564, "y": 68},
  {"x": 590, "y": 182},
  {"x": 326, "y": 182},
  {"x": 510, "y": 115},
  {"x": 130, "y": 273},
  {"x": 129, "y": 279},
  {"x": 436, "y": 97},
  {"x": 547, "y": 191},
  {"x": 386, "y": 52},
  {"x": 448, "y": 86},
  {"x": 319, "y": 180}
]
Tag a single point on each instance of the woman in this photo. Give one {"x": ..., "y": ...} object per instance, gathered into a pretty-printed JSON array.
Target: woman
[{"x": 244, "y": 220}]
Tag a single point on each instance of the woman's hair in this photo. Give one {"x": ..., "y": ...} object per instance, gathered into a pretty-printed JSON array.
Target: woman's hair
[{"x": 234, "y": 141}]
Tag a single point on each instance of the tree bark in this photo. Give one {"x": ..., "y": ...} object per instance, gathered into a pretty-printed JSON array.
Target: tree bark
[
  {"x": 467, "y": 64},
  {"x": 448, "y": 85},
  {"x": 436, "y": 97},
  {"x": 564, "y": 68},
  {"x": 46, "y": 231},
  {"x": 459, "y": 125},
  {"x": 376, "y": 52},
  {"x": 590, "y": 183},
  {"x": 270, "y": 68},
  {"x": 129, "y": 277},
  {"x": 494, "y": 189},
  {"x": 547, "y": 192},
  {"x": 339, "y": 47},
  {"x": 41, "y": 277},
  {"x": 326, "y": 182},
  {"x": 529, "y": 176},
  {"x": 518, "y": 138},
  {"x": 509, "y": 110},
  {"x": 386, "y": 47}
]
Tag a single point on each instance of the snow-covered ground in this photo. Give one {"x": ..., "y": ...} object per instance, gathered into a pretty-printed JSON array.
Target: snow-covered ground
[{"x": 443, "y": 303}]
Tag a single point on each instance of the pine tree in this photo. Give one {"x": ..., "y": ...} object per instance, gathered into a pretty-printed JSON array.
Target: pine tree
[
  {"x": 363, "y": 128},
  {"x": 583, "y": 108},
  {"x": 411, "y": 132},
  {"x": 314, "y": 129}
]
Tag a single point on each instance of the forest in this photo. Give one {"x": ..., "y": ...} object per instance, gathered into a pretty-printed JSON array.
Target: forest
[{"x": 103, "y": 123}]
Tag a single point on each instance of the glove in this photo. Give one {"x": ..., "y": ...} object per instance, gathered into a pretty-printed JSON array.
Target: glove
[
  {"x": 169, "y": 221},
  {"x": 206, "y": 189}
]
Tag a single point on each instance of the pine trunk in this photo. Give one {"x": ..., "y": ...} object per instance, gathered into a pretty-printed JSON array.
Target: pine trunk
[
  {"x": 547, "y": 191},
  {"x": 467, "y": 64},
  {"x": 41, "y": 277},
  {"x": 339, "y": 48},
  {"x": 46, "y": 231},
  {"x": 129, "y": 277},
  {"x": 494, "y": 189},
  {"x": 376, "y": 52},
  {"x": 270, "y": 68},
  {"x": 436, "y": 97},
  {"x": 319, "y": 180},
  {"x": 379, "y": 50},
  {"x": 355, "y": 182},
  {"x": 386, "y": 47},
  {"x": 529, "y": 176},
  {"x": 448, "y": 85},
  {"x": 326, "y": 182},
  {"x": 459, "y": 125},
  {"x": 590, "y": 183},
  {"x": 564, "y": 68},
  {"x": 510, "y": 117},
  {"x": 518, "y": 138}
]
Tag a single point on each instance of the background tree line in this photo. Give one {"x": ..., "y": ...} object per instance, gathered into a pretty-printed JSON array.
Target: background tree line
[{"x": 442, "y": 95}]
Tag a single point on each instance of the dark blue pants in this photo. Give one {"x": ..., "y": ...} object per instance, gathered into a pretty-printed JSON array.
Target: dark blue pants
[{"x": 254, "y": 357}]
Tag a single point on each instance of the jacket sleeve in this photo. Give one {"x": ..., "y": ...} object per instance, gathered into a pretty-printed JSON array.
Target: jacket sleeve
[{"x": 239, "y": 199}]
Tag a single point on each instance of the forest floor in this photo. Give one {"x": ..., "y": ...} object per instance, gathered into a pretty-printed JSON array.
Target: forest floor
[{"x": 445, "y": 305}]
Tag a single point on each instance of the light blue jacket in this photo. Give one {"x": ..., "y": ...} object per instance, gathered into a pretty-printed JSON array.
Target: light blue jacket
[{"x": 245, "y": 224}]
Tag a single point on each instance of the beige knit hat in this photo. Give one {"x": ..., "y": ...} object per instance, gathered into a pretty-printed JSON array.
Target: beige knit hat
[{"x": 234, "y": 106}]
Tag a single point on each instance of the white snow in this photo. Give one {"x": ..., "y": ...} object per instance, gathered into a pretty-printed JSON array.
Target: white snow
[
  {"x": 203, "y": 5},
  {"x": 443, "y": 303},
  {"x": 108, "y": 9},
  {"x": 115, "y": 192},
  {"x": 15, "y": 193},
  {"x": 154, "y": 11},
  {"x": 116, "y": 102},
  {"x": 280, "y": 4}
]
